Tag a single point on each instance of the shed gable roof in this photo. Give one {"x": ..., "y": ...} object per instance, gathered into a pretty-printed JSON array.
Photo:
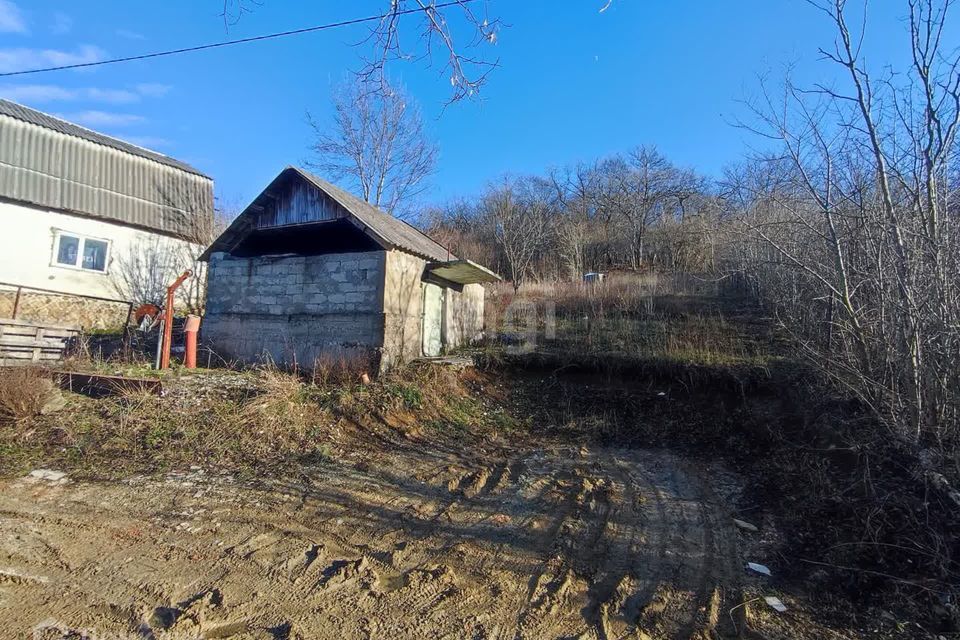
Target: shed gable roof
[{"x": 387, "y": 231}]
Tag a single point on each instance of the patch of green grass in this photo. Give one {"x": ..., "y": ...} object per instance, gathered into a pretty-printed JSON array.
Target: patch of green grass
[
  {"x": 446, "y": 426},
  {"x": 16, "y": 459},
  {"x": 504, "y": 422},
  {"x": 411, "y": 395},
  {"x": 322, "y": 454},
  {"x": 708, "y": 340}
]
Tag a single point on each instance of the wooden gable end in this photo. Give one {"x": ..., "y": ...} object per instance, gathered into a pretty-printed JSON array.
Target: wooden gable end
[{"x": 295, "y": 202}]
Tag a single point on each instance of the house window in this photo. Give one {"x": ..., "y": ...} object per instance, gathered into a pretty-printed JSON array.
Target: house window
[{"x": 80, "y": 252}]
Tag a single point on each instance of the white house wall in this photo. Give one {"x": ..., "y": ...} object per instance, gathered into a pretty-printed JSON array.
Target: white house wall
[{"x": 27, "y": 250}]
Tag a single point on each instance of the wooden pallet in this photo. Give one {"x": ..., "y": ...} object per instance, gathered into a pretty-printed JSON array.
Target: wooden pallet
[{"x": 23, "y": 342}]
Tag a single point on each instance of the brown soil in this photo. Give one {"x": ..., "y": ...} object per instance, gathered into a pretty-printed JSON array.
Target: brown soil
[
  {"x": 416, "y": 543},
  {"x": 416, "y": 526}
]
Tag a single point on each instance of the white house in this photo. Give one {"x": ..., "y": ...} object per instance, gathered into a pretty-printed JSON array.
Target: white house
[{"x": 85, "y": 214}]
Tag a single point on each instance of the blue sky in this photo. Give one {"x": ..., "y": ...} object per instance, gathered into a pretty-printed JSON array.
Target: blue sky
[{"x": 574, "y": 83}]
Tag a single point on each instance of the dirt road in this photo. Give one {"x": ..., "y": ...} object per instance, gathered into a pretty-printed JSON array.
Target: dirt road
[{"x": 559, "y": 543}]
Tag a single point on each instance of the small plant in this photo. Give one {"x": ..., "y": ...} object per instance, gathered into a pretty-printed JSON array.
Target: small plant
[
  {"x": 319, "y": 455},
  {"x": 412, "y": 396},
  {"x": 344, "y": 367},
  {"x": 26, "y": 392}
]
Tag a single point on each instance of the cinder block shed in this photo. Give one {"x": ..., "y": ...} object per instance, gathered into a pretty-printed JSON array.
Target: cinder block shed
[{"x": 308, "y": 271}]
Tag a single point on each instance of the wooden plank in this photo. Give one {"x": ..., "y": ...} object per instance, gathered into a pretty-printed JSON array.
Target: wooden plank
[
  {"x": 30, "y": 349},
  {"x": 17, "y": 341},
  {"x": 24, "y": 341},
  {"x": 33, "y": 344},
  {"x": 11, "y": 362},
  {"x": 20, "y": 348},
  {"x": 21, "y": 332},
  {"x": 27, "y": 356},
  {"x": 48, "y": 325}
]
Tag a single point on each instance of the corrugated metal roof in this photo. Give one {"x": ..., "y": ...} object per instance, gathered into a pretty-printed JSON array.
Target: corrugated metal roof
[
  {"x": 388, "y": 231},
  {"x": 41, "y": 119},
  {"x": 47, "y": 162},
  {"x": 463, "y": 272}
]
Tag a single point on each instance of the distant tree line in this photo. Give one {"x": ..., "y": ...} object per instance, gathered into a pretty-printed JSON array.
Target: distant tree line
[{"x": 634, "y": 210}]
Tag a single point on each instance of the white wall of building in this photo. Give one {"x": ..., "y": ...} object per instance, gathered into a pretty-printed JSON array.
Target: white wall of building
[{"x": 27, "y": 245}]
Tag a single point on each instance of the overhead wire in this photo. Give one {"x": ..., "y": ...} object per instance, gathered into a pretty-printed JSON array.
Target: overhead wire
[{"x": 229, "y": 43}]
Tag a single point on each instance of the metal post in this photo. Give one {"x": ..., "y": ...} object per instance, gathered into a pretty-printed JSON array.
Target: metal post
[
  {"x": 16, "y": 302},
  {"x": 156, "y": 362},
  {"x": 190, "y": 332},
  {"x": 168, "y": 320}
]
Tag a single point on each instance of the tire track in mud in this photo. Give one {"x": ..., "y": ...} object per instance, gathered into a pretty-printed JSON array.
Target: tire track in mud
[
  {"x": 423, "y": 587},
  {"x": 550, "y": 581},
  {"x": 726, "y": 590},
  {"x": 698, "y": 560},
  {"x": 605, "y": 544},
  {"x": 618, "y": 562},
  {"x": 430, "y": 590},
  {"x": 646, "y": 576}
]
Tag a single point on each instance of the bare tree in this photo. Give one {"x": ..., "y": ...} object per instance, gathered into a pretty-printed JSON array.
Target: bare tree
[
  {"x": 377, "y": 143},
  {"x": 461, "y": 33},
  {"x": 142, "y": 273},
  {"x": 462, "y": 226},
  {"x": 520, "y": 225},
  {"x": 855, "y": 230},
  {"x": 573, "y": 189},
  {"x": 639, "y": 188},
  {"x": 460, "y": 30}
]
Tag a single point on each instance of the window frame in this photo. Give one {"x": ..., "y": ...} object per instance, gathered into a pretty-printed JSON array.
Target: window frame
[{"x": 82, "y": 239}]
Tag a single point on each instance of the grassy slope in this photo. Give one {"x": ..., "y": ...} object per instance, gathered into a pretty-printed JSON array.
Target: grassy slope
[
  {"x": 249, "y": 423},
  {"x": 680, "y": 363}
]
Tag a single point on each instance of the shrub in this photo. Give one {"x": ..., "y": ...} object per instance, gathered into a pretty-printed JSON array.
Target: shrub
[
  {"x": 344, "y": 367},
  {"x": 26, "y": 392}
]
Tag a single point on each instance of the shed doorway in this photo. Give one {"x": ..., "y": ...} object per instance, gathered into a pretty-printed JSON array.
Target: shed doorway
[{"x": 432, "y": 320}]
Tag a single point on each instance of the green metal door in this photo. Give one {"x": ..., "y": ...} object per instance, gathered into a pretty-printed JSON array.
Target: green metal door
[{"x": 432, "y": 320}]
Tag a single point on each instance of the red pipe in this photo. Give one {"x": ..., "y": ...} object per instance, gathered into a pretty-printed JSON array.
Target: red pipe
[
  {"x": 190, "y": 331},
  {"x": 168, "y": 320}
]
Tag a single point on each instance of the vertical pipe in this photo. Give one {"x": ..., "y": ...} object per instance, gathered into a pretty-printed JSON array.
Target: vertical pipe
[
  {"x": 16, "y": 302},
  {"x": 126, "y": 330},
  {"x": 156, "y": 362},
  {"x": 168, "y": 320},
  {"x": 167, "y": 329},
  {"x": 190, "y": 332},
  {"x": 190, "y": 356}
]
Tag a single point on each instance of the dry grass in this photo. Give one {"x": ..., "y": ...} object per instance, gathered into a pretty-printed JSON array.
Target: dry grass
[
  {"x": 345, "y": 367},
  {"x": 644, "y": 317},
  {"x": 268, "y": 421},
  {"x": 24, "y": 392}
]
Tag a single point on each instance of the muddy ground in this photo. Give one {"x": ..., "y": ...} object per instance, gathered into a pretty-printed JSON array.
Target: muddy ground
[
  {"x": 420, "y": 542},
  {"x": 491, "y": 503}
]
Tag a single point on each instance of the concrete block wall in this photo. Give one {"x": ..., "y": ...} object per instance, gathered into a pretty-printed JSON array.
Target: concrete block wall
[{"x": 294, "y": 309}]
